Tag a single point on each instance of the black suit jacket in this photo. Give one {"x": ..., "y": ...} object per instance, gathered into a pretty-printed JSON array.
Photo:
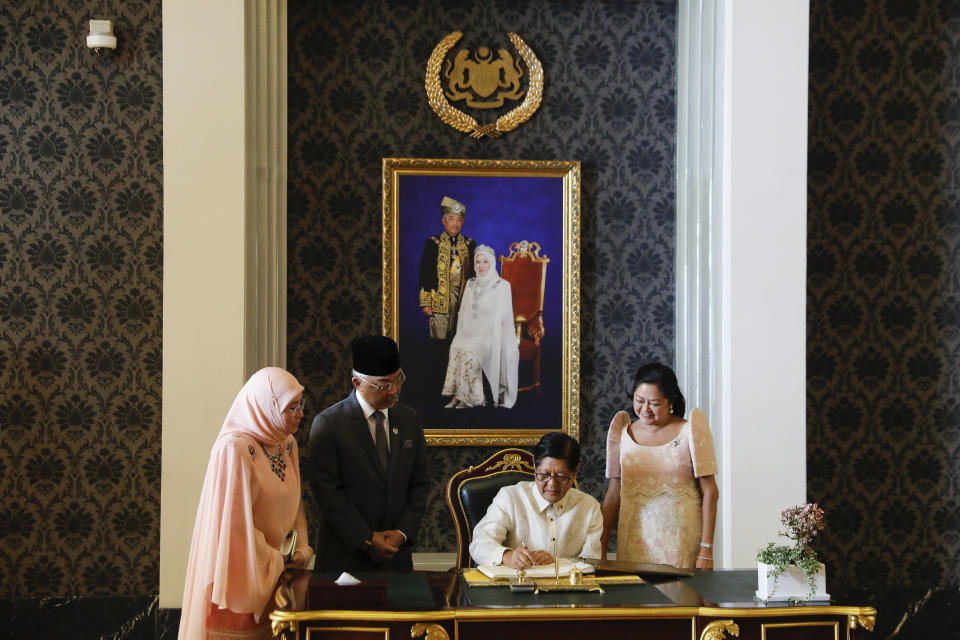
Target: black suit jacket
[{"x": 355, "y": 496}]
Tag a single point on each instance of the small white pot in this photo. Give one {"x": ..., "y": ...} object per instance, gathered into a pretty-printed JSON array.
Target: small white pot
[{"x": 791, "y": 584}]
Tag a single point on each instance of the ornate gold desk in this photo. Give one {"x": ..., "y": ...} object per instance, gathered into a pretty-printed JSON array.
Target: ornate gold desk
[{"x": 711, "y": 605}]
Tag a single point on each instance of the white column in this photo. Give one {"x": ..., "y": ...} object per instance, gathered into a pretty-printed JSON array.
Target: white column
[
  {"x": 741, "y": 253},
  {"x": 266, "y": 164},
  {"x": 224, "y": 274}
]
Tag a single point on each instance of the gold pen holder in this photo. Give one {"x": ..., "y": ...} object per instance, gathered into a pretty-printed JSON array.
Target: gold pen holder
[
  {"x": 522, "y": 584},
  {"x": 550, "y": 585}
]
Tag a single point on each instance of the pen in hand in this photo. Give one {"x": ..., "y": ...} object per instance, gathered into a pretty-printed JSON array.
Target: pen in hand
[{"x": 528, "y": 560}]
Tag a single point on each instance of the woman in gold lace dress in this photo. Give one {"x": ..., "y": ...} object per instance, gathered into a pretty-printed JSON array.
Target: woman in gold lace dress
[{"x": 661, "y": 485}]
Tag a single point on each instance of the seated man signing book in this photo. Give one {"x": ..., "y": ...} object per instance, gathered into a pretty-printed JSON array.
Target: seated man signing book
[{"x": 529, "y": 523}]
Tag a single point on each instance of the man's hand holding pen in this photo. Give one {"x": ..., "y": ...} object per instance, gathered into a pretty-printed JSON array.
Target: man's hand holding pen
[{"x": 523, "y": 558}]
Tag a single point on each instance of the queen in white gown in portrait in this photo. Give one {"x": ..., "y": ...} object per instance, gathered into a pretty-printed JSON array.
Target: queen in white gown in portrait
[{"x": 485, "y": 344}]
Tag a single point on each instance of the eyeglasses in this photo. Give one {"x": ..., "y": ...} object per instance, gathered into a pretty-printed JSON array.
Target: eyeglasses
[
  {"x": 387, "y": 386},
  {"x": 297, "y": 407},
  {"x": 656, "y": 403},
  {"x": 547, "y": 477}
]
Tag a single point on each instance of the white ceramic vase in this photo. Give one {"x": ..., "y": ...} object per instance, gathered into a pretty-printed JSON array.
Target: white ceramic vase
[{"x": 790, "y": 585}]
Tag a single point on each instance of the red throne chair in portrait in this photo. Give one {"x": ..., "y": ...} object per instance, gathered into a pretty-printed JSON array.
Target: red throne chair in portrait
[{"x": 526, "y": 271}]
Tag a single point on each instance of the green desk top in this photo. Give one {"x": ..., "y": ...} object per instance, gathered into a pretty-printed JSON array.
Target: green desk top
[
  {"x": 724, "y": 586},
  {"x": 730, "y": 588}
]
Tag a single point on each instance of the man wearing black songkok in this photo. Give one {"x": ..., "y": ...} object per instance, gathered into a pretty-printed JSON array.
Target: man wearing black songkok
[{"x": 367, "y": 466}]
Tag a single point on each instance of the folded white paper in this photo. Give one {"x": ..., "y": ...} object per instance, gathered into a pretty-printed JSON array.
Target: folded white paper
[
  {"x": 346, "y": 579},
  {"x": 539, "y": 571}
]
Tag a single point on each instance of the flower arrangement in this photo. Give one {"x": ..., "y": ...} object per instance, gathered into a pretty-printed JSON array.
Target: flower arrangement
[{"x": 802, "y": 524}]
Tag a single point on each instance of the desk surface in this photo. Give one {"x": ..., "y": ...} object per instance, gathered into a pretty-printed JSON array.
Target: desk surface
[{"x": 445, "y": 596}]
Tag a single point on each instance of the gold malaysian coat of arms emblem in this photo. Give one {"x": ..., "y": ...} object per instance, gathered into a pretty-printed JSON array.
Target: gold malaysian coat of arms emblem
[{"x": 484, "y": 80}]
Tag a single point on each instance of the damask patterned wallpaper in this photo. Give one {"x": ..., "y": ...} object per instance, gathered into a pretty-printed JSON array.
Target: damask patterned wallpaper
[
  {"x": 356, "y": 95},
  {"x": 883, "y": 289},
  {"x": 80, "y": 300}
]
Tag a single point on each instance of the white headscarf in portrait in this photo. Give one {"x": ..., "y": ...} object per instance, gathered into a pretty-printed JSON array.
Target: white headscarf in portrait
[{"x": 485, "y": 328}]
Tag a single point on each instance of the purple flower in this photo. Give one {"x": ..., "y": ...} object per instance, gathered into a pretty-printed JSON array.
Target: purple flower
[{"x": 803, "y": 522}]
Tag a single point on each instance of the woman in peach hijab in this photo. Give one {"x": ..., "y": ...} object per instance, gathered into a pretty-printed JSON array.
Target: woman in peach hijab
[{"x": 250, "y": 501}]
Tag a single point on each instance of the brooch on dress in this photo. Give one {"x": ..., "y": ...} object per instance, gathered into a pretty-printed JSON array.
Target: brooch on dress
[{"x": 253, "y": 453}]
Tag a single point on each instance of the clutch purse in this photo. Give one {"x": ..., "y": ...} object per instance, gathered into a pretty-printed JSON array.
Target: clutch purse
[{"x": 288, "y": 546}]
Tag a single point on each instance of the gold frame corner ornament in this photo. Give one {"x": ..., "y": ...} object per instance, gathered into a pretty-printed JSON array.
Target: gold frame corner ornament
[
  {"x": 432, "y": 630},
  {"x": 718, "y": 629},
  {"x": 466, "y": 123}
]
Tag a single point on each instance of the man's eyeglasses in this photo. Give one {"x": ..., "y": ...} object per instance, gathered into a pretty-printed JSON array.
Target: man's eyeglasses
[
  {"x": 297, "y": 407},
  {"x": 386, "y": 386},
  {"x": 547, "y": 477}
]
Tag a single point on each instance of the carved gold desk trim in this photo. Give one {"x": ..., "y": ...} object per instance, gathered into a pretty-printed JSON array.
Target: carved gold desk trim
[
  {"x": 433, "y": 631},
  {"x": 864, "y": 620},
  {"x": 718, "y": 629}
]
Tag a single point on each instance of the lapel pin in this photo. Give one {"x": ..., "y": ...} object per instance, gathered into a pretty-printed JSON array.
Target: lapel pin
[{"x": 396, "y": 431}]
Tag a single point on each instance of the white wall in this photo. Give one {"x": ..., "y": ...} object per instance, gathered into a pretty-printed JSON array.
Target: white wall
[
  {"x": 203, "y": 261},
  {"x": 763, "y": 369},
  {"x": 741, "y": 253}
]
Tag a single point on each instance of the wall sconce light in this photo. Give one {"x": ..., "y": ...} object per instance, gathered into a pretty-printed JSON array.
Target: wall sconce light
[{"x": 101, "y": 36}]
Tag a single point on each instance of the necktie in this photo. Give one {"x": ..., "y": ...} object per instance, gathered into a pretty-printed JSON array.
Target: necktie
[{"x": 381, "y": 440}]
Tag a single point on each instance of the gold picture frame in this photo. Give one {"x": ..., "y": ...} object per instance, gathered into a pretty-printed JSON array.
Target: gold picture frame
[{"x": 525, "y": 210}]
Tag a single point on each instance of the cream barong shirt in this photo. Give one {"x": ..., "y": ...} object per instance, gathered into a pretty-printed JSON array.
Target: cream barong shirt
[{"x": 568, "y": 529}]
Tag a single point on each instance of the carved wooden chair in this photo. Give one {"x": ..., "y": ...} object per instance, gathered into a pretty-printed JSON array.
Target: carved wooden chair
[
  {"x": 470, "y": 492},
  {"x": 526, "y": 271}
]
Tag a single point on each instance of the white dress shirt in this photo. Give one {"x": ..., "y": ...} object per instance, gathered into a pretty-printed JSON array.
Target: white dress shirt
[{"x": 570, "y": 528}]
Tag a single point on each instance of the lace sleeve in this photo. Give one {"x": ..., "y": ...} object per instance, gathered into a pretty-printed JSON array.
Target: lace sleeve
[{"x": 614, "y": 434}]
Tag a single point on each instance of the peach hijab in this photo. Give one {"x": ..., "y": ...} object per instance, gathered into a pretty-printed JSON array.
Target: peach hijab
[{"x": 246, "y": 509}]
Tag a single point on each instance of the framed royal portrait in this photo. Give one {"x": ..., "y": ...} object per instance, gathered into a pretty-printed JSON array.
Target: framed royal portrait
[{"x": 481, "y": 291}]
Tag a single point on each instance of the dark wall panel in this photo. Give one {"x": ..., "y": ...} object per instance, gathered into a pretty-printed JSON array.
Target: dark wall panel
[
  {"x": 80, "y": 300},
  {"x": 356, "y": 73},
  {"x": 883, "y": 290}
]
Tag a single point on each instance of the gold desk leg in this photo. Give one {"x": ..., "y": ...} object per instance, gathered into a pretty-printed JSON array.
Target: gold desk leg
[
  {"x": 280, "y": 627},
  {"x": 718, "y": 629},
  {"x": 865, "y": 621},
  {"x": 433, "y": 631}
]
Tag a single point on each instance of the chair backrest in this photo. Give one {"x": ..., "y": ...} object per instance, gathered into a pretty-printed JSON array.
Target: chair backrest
[
  {"x": 526, "y": 271},
  {"x": 470, "y": 492}
]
